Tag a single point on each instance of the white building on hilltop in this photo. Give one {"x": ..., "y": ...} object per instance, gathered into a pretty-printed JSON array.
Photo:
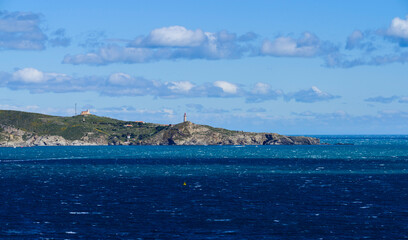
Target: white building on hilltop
[{"x": 87, "y": 112}]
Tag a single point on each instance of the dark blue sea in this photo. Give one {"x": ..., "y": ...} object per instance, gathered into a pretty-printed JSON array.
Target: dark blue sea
[{"x": 355, "y": 191}]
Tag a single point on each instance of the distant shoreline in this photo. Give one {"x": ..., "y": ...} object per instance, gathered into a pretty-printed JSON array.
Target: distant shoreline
[{"x": 33, "y": 129}]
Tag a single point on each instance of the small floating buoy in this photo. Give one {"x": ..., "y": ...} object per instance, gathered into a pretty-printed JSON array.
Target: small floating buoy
[{"x": 184, "y": 184}]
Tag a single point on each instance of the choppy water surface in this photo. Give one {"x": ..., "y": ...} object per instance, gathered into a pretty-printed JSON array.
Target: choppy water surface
[{"x": 207, "y": 192}]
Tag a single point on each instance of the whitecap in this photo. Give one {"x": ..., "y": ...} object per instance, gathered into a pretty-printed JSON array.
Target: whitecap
[
  {"x": 222, "y": 220},
  {"x": 79, "y": 213}
]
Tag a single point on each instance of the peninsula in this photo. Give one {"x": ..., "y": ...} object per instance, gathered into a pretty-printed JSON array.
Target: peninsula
[{"x": 24, "y": 129}]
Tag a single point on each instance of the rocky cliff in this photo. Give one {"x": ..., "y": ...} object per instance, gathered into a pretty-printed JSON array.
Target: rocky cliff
[
  {"x": 31, "y": 129},
  {"x": 193, "y": 134},
  {"x": 12, "y": 137}
]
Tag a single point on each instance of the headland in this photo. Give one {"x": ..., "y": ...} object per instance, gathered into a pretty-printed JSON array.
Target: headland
[{"x": 24, "y": 129}]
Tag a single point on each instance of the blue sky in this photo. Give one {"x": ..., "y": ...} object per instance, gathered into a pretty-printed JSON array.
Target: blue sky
[{"x": 292, "y": 67}]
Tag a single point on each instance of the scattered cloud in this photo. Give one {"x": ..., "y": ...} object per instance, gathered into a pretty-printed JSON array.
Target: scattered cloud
[
  {"x": 262, "y": 92},
  {"x": 201, "y": 109},
  {"x": 122, "y": 84},
  {"x": 131, "y": 109},
  {"x": 381, "y": 99},
  {"x": 249, "y": 36},
  {"x": 310, "y": 95},
  {"x": 178, "y": 42},
  {"x": 342, "y": 61},
  {"x": 403, "y": 100},
  {"x": 130, "y": 113},
  {"x": 370, "y": 47},
  {"x": 22, "y": 31},
  {"x": 117, "y": 84},
  {"x": 373, "y": 47},
  {"x": 167, "y": 43},
  {"x": 92, "y": 39},
  {"x": 59, "y": 39},
  {"x": 360, "y": 40},
  {"x": 354, "y": 39},
  {"x": 114, "y": 53},
  {"x": 308, "y": 45},
  {"x": 256, "y": 110},
  {"x": 28, "y": 108},
  {"x": 197, "y": 107}
]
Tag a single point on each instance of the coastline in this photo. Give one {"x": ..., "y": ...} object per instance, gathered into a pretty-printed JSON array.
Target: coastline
[{"x": 30, "y": 129}]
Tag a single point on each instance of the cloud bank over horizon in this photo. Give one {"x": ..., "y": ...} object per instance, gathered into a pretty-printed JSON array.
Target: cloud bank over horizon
[{"x": 122, "y": 84}]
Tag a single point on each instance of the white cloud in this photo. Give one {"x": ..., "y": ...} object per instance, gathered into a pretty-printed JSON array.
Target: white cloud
[
  {"x": 398, "y": 28},
  {"x": 183, "y": 86},
  {"x": 262, "y": 92},
  {"x": 175, "y": 36},
  {"x": 261, "y": 88},
  {"x": 174, "y": 42},
  {"x": 122, "y": 84},
  {"x": 306, "y": 46},
  {"x": 226, "y": 87},
  {"x": 34, "y": 76},
  {"x": 120, "y": 79},
  {"x": 310, "y": 95},
  {"x": 29, "y": 75},
  {"x": 168, "y": 111}
]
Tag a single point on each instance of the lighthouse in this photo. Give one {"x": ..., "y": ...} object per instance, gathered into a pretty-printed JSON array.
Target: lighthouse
[{"x": 185, "y": 117}]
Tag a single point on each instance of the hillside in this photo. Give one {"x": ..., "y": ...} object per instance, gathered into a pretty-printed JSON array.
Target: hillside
[{"x": 33, "y": 129}]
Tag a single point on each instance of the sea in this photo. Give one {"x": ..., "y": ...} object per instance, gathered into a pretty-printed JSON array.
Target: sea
[{"x": 356, "y": 190}]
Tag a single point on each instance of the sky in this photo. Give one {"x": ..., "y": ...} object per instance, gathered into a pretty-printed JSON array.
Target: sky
[{"x": 292, "y": 67}]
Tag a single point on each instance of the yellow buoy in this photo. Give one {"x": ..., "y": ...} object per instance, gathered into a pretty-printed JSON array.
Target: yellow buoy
[{"x": 184, "y": 183}]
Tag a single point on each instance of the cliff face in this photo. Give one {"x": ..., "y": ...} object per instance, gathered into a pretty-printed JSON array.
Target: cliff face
[
  {"x": 12, "y": 137},
  {"x": 28, "y": 129}
]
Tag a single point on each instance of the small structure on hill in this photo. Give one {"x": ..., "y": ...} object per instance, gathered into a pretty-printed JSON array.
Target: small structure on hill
[
  {"x": 87, "y": 112},
  {"x": 185, "y": 117}
]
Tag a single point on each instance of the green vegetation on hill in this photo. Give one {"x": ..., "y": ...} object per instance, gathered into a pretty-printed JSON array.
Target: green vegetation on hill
[{"x": 74, "y": 128}]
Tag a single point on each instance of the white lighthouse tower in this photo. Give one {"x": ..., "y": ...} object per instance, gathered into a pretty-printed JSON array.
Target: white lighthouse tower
[{"x": 185, "y": 117}]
